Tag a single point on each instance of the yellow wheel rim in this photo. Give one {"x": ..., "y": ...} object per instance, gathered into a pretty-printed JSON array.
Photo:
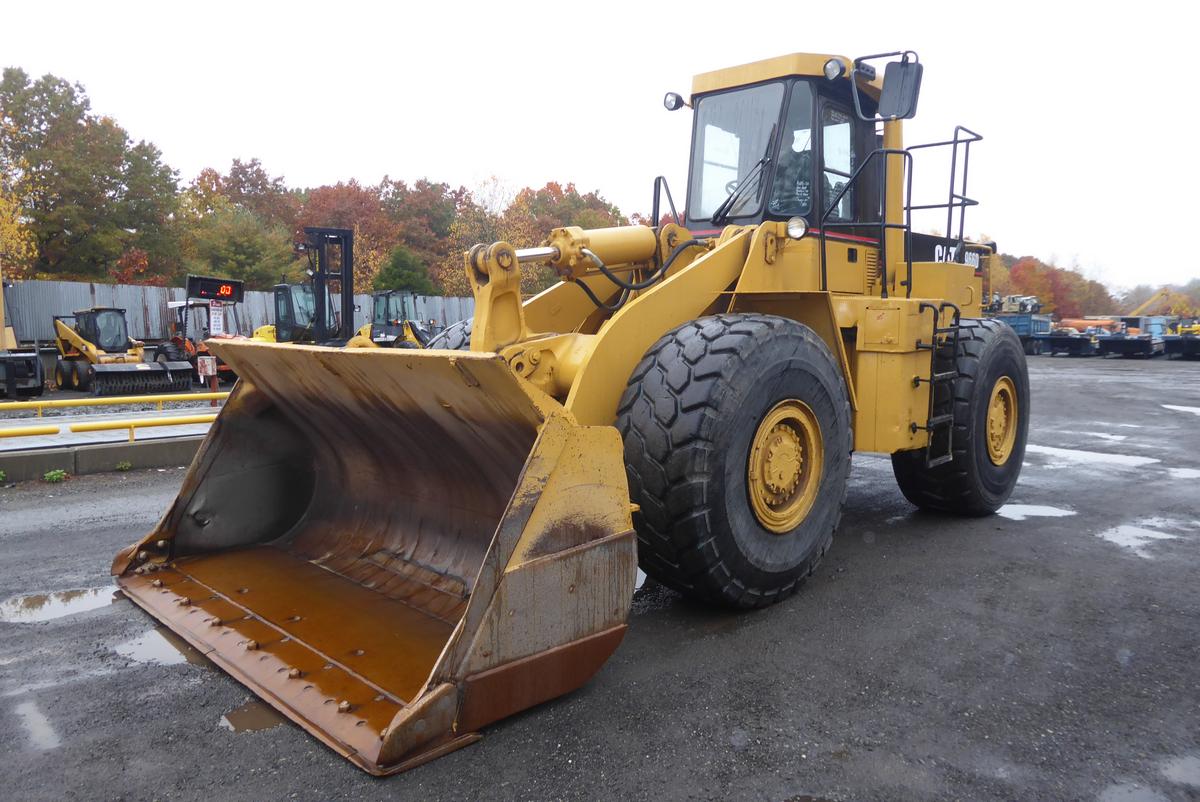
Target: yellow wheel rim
[
  {"x": 784, "y": 469},
  {"x": 1002, "y": 420}
]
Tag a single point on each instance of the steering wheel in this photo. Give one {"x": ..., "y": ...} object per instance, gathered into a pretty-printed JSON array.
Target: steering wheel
[{"x": 731, "y": 186}]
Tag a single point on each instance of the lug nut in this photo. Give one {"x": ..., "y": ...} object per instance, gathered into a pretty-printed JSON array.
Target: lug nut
[
  {"x": 251, "y": 645},
  {"x": 162, "y": 544},
  {"x": 343, "y": 706},
  {"x": 184, "y": 601},
  {"x": 157, "y": 583},
  {"x": 294, "y": 673}
]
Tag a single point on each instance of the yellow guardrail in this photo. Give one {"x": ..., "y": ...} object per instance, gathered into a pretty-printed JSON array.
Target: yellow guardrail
[
  {"x": 133, "y": 425},
  {"x": 28, "y": 431},
  {"x": 159, "y": 400}
]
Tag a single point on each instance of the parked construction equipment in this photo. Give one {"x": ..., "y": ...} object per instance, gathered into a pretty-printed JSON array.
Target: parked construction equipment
[
  {"x": 391, "y": 324},
  {"x": 686, "y": 398},
  {"x": 1138, "y": 336},
  {"x": 217, "y": 299},
  {"x": 304, "y": 312},
  {"x": 21, "y": 373},
  {"x": 95, "y": 353}
]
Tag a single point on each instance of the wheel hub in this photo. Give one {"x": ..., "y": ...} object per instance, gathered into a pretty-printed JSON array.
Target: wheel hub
[
  {"x": 1001, "y": 426},
  {"x": 784, "y": 466}
]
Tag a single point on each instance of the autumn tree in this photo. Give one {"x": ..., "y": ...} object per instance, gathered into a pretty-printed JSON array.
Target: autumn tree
[
  {"x": 87, "y": 192},
  {"x": 234, "y": 242},
  {"x": 353, "y": 206}
]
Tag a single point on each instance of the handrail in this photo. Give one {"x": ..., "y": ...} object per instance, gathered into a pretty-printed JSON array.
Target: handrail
[
  {"x": 158, "y": 400},
  {"x": 883, "y": 223},
  {"x": 956, "y": 200},
  {"x": 28, "y": 431},
  {"x": 131, "y": 425}
]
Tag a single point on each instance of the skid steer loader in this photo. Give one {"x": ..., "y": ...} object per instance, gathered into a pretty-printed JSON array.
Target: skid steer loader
[
  {"x": 687, "y": 398},
  {"x": 96, "y": 353}
]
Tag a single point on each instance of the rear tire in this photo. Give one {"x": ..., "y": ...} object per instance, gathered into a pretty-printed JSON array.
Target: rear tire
[
  {"x": 697, "y": 418},
  {"x": 978, "y": 480},
  {"x": 62, "y": 375},
  {"x": 455, "y": 337}
]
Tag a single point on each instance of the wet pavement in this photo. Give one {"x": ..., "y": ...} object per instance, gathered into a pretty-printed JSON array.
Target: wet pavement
[{"x": 1048, "y": 652}]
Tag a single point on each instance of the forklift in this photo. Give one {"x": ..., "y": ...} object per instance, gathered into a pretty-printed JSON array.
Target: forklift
[{"x": 304, "y": 312}]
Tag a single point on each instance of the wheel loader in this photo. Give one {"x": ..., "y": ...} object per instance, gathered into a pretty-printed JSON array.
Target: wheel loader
[
  {"x": 687, "y": 398},
  {"x": 96, "y": 353},
  {"x": 390, "y": 326}
]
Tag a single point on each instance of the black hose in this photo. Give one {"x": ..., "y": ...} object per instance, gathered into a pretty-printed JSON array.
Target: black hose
[
  {"x": 627, "y": 286},
  {"x": 653, "y": 277},
  {"x": 600, "y": 304}
]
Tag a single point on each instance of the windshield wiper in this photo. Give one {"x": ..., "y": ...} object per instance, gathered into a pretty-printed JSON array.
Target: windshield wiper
[{"x": 722, "y": 211}]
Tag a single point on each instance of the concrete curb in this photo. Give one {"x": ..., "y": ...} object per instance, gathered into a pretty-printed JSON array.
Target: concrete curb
[{"x": 21, "y": 466}]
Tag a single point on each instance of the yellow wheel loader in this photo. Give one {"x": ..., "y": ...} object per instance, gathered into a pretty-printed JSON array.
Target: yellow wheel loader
[
  {"x": 687, "y": 398},
  {"x": 390, "y": 326},
  {"x": 96, "y": 353}
]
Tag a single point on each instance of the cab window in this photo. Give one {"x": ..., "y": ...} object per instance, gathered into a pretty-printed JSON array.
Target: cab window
[
  {"x": 838, "y": 160},
  {"x": 792, "y": 191}
]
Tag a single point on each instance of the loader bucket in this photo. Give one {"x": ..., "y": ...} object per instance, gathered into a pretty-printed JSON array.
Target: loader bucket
[{"x": 393, "y": 547}]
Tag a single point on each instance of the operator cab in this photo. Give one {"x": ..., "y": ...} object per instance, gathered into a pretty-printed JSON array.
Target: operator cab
[
  {"x": 791, "y": 139},
  {"x": 105, "y": 327},
  {"x": 780, "y": 149}
]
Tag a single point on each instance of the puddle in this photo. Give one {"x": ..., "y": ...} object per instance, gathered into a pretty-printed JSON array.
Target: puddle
[
  {"x": 252, "y": 717},
  {"x": 1091, "y": 457},
  {"x": 41, "y": 733},
  {"x": 1135, "y": 538},
  {"x": 160, "y": 646},
  {"x": 48, "y": 606},
  {"x": 1020, "y": 512},
  {"x": 1193, "y": 410},
  {"x": 1184, "y": 473},
  {"x": 1183, "y": 770}
]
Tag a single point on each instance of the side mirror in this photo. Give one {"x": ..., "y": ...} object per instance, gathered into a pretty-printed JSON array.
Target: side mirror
[{"x": 901, "y": 88}]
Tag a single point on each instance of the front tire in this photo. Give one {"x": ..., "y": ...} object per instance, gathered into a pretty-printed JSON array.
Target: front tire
[
  {"x": 737, "y": 448},
  {"x": 991, "y": 422}
]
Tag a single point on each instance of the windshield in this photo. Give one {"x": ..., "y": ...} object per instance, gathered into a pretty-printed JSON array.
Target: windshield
[
  {"x": 305, "y": 304},
  {"x": 388, "y": 309},
  {"x": 110, "y": 331},
  {"x": 732, "y": 130}
]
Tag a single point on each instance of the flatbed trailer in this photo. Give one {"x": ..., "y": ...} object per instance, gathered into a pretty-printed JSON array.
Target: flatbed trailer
[
  {"x": 1143, "y": 336},
  {"x": 1069, "y": 344}
]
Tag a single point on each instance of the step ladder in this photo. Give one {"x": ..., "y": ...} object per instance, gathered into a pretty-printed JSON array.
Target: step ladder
[{"x": 943, "y": 370}]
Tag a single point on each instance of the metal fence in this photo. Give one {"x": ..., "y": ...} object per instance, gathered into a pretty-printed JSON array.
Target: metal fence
[{"x": 32, "y": 305}]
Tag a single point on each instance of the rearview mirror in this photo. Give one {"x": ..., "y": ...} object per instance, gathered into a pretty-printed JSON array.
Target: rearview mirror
[{"x": 901, "y": 88}]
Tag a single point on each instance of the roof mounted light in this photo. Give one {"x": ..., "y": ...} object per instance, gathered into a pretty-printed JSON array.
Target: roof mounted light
[
  {"x": 797, "y": 227},
  {"x": 834, "y": 69},
  {"x": 673, "y": 101}
]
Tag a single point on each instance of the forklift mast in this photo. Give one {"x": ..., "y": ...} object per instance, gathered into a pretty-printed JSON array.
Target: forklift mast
[{"x": 318, "y": 239}]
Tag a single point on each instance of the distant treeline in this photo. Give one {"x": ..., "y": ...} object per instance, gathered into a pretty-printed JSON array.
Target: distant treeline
[{"x": 79, "y": 200}]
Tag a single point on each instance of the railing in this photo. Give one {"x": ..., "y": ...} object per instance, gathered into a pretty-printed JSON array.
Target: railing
[
  {"x": 957, "y": 200},
  {"x": 132, "y": 425},
  {"x": 158, "y": 400}
]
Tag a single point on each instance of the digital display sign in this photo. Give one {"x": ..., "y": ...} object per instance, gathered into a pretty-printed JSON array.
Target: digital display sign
[{"x": 215, "y": 289}]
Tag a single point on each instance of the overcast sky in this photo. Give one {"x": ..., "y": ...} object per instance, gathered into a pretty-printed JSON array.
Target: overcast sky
[{"x": 1087, "y": 114}]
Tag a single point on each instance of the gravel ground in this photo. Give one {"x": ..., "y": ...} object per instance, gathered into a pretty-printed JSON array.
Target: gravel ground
[{"x": 1049, "y": 652}]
